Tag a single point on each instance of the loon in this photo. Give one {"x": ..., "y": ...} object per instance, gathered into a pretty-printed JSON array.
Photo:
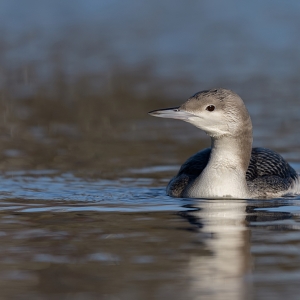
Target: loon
[{"x": 231, "y": 168}]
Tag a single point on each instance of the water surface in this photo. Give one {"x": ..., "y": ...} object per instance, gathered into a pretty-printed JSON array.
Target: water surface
[{"x": 64, "y": 236}]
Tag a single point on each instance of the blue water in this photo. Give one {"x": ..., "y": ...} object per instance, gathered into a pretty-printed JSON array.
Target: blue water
[{"x": 50, "y": 190}]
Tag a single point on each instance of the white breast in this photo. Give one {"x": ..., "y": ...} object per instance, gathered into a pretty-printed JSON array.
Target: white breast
[{"x": 219, "y": 182}]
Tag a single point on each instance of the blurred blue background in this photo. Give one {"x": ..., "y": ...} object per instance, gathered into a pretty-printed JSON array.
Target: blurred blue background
[{"x": 199, "y": 43}]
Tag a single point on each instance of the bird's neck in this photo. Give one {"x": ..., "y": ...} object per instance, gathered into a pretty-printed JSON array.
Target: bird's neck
[{"x": 231, "y": 152}]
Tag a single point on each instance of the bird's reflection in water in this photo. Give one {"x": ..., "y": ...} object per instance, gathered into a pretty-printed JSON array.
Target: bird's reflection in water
[{"x": 224, "y": 228}]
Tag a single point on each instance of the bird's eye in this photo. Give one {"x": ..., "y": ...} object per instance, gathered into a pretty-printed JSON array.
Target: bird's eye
[{"x": 210, "y": 108}]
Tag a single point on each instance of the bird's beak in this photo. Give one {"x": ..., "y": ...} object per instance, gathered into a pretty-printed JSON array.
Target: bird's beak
[{"x": 172, "y": 113}]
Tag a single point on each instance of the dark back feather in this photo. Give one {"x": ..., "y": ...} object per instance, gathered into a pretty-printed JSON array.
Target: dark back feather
[
  {"x": 195, "y": 164},
  {"x": 263, "y": 162}
]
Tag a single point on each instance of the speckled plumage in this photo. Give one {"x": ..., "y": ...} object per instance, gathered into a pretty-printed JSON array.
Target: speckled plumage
[{"x": 267, "y": 173}]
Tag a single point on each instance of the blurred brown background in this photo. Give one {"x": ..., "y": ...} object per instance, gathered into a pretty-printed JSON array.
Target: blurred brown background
[{"x": 78, "y": 77}]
